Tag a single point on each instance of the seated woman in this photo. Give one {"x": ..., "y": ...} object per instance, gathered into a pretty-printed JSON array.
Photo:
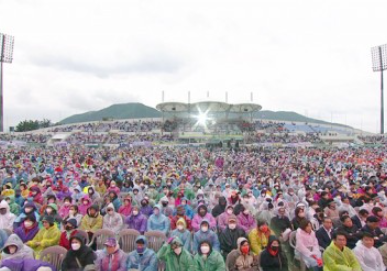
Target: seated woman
[
  {"x": 244, "y": 260},
  {"x": 79, "y": 256},
  {"x": 207, "y": 259},
  {"x": 29, "y": 208},
  {"x": 259, "y": 237},
  {"x": 272, "y": 258},
  {"x": 307, "y": 246},
  {"x": 47, "y": 236},
  {"x": 51, "y": 209},
  {"x": 28, "y": 229},
  {"x": 74, "y": 213}
]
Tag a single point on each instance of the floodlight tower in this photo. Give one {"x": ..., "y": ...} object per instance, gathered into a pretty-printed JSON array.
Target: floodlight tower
[
  {"x": 6, "y": 53},
  {"x": 379, "y": 64}
]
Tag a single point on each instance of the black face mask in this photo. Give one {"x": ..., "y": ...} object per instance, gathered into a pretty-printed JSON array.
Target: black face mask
[
  {"x": 274, "y": 248},
  {"x": 165, "y": 204},
  {"x": 68, "y": 228}
]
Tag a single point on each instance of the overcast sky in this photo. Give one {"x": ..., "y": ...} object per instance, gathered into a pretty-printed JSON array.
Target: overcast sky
[{"x": 312, "y": 57}]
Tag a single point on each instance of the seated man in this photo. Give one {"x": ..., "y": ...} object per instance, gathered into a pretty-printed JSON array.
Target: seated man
[
  {"x": 143, "y": 258},
  {"x": 111, "y": 257},
  {"x": 228, "y": 237},
  {"x": 173, "y": 252},
  {"x": 324, "y": 233},
  {"x": 372, "y": 227},
  {"x": 350, "y": 229},
  {"x": 339, "y": 257}
]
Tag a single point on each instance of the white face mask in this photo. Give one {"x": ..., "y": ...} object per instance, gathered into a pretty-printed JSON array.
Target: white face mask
[
  {"x": 180, "y": 227},
  {"x": 75, "y": 246},
  {"x": 205, "y": 249},
  {"x": 232, "y": 226},
  {"x": 49, "y": 210},
  {"x": 135, "y": 212},
  {"x": 177, "y": 250},
  {"x": 204, "y": 229},
  {"x": 28, "y": 224}
]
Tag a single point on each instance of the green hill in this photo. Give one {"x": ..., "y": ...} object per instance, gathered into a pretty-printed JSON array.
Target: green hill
[
  {"x": 141, "y": 111},
  {"x": 289, "y": 116},
  {"x": 115, "y": 111}
]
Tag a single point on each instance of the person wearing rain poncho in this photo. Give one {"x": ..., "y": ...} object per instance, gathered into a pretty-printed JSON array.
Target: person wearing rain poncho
[
  {"x": 77, "y": 194},
  {"x": 36, "y": 195},
  {"x": 222, "y": 219},
  {"x": 205, "y": 233},
  {"x": 339, "y": 257},
  {"x": 157, "y": 221},
  {"x": 84, "y": 204},
  {"x": 28, "y": 229},
  {"x": 142, "y": 258},
  {"x": 26, "y": 265},
  {"x": 47, "y": 236},
  {"x": 244, "y": 261},
  {"x": 111, "y": 258},
  {"x": 28, "y": 209},
  {"x": 136, "y": 220},
  {"x": 112, "y": 220},
  {"x": 259, "y": 237},
  {"x": 368, "y": 256},
  {"x": 15, "y": 249},
  {"x": 52, "y": 210},
  {"x": 175, "y": 256},
  {"x": 6, "y": 217},
  {"x": 183, "y": 234},
  {"x": 14, "y": 208},
  {"x": 208, "y": 259},
  {"x": 203, "y": 214}
]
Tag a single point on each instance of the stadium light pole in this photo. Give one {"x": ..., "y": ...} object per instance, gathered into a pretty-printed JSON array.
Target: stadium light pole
[
  {"x": 379, "y": 64},
  {"x": 6, "y": 53}
]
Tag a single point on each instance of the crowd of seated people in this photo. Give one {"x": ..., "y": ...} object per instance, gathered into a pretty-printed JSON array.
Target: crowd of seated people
[{"x": 215, "y": 210}]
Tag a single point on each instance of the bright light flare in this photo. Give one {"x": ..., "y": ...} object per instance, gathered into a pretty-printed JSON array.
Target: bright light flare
[{"x": 202, "y": 119}]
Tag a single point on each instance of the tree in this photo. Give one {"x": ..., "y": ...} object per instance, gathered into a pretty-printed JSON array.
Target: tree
[
  {"x": 30, "y": 125},
  {"x": 45, "y": 123}
]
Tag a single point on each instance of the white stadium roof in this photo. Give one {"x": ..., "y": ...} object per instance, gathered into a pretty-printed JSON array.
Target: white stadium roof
[
  {"x": 211, "y": 106},
  {"x": 245, "y": 107}
]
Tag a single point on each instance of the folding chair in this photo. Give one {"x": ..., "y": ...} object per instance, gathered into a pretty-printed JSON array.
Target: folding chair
[
  {"x": 100, "y": 237},
  {"x": 127, "y": 239},
  {"x": 155, "y": 239},
  {"x": 54, "y": 255}
]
